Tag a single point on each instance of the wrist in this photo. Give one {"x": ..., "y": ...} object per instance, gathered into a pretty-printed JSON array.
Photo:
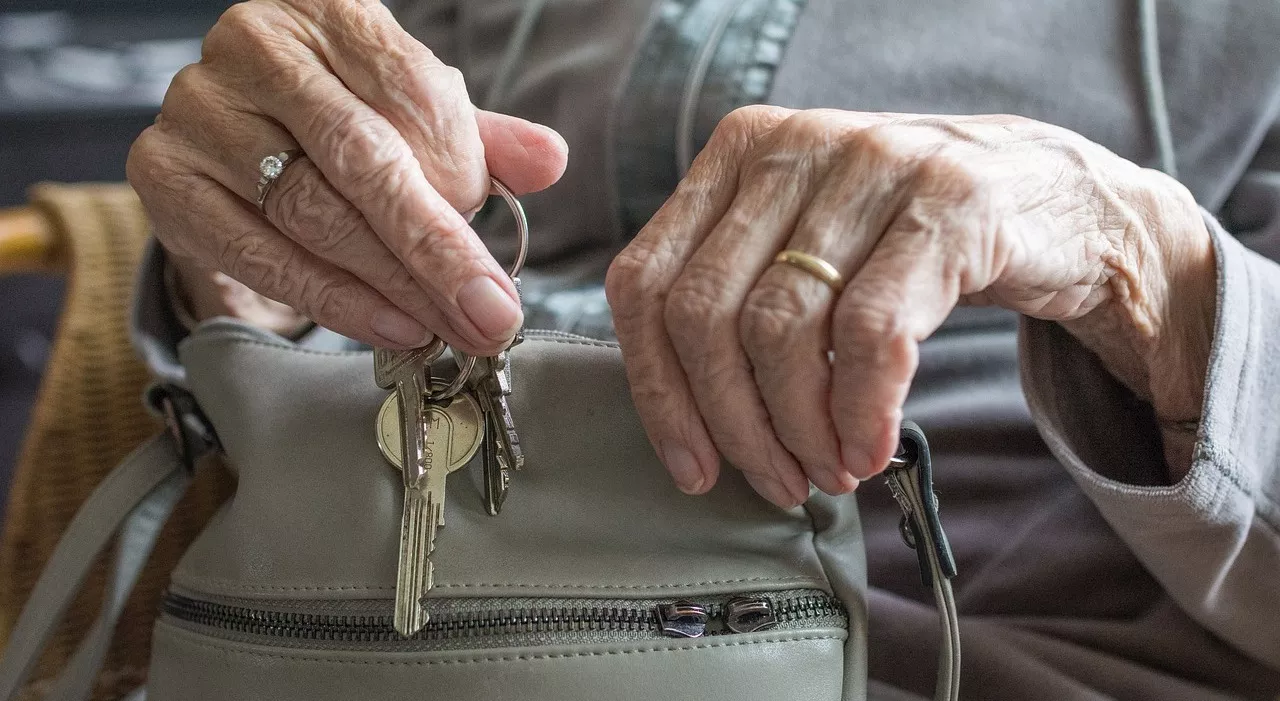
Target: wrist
[
  {"x": 1155, "y": 331},
  {"x": 1183, "y": 299},
  {"x": 197, "y": 294}
]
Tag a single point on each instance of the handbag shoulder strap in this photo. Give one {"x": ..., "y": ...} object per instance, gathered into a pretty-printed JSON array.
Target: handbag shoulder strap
[
  {"x": 910, "y": 478},
  {"x": 137, "y": 497},
  {"x": 134, "y": 501}
]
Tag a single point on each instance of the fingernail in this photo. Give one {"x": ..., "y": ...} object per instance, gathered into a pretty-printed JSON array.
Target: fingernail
[
  {"x": 683, "y": 467},
  {"x": 490, "y": 308},
  {"x": 848, "y": 483},
  {"x": 801, "y": 496},
  {"x": 400, "y": 328},
  {"x": 771, "y": 489},
  {"x": 856, "y": 461}
]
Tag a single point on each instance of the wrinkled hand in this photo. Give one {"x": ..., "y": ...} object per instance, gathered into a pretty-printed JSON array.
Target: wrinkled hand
[
  {"x": 727, "y": 352},
  {"x": 364, "y": 235}
]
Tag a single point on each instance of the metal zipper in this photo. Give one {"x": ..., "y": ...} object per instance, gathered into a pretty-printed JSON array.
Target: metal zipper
[{"x": 501, "y": 622}]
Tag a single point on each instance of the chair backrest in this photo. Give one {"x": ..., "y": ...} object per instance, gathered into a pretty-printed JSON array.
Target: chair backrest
[
  {"x": 88, "y": 414},
  {"x": 28, "y": 241}
]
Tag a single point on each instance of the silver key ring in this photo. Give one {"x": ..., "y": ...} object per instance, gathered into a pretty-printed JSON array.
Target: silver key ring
[
  {"x": 522, "y": 223},
  {"x": 467, "y": 363}
]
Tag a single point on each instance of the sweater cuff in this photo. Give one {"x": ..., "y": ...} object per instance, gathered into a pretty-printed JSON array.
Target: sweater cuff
[
  {"x": 1109, "y": 439},
  {"x": 1213, "y": 538}
]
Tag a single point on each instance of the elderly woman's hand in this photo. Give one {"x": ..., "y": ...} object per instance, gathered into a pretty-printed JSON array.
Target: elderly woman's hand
[
  {"x": 728, "y": 352},
  {"x": 363, "y": 235}
]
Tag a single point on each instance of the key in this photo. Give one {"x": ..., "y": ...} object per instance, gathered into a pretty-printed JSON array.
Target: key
[
  {"x": 409, "y": 373},
  {"x": 453, "y": 429},
  {"x": 500, "y": 389},
  {"x": 497, "y": 472},
  {"x": 502, "y": 443},
  {"x": 442, "y": 438}
]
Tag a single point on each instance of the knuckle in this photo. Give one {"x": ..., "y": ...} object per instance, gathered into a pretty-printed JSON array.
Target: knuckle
[
  {"x": 867, "y": 322},
  {"x": 445, "y": 79},
  {"x": 809, "y": 125},
  {"x": 193, "y": 102},
  {"x": 878, "y": 143},
  {"x": 343, "y": 225},
  {"x": 325, "y": 300},
  {"x": 240, "y": 255},
  {"x": 625, "y": 285},
  {"x": 397, "y": 283},
  {"x": 772, "y": 317},
  {"x": 308, "y": 210},
  {"x": 186, "y": 83},
  {"x": 370, "y": 166},
  {"x": 945, "y": 174},
  {"x": 235, "y": 23},
  {"x": 694, "y": 310},
  {"x": 437, "y": 246},
  {"x": 292, "y": 200},
  {"x": 752, "y": 116},
  {"x": 743, "y": 125},
  {"x": 254, "y": 40},
  {"x": 146, "y": 164}
]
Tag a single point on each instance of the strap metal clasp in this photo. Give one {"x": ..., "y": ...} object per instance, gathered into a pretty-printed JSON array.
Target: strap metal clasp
[
  {"x": 910, "y": 479},
  {"x": 192, "y": 433}
]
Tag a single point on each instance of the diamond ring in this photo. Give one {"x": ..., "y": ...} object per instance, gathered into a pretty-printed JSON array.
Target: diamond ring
[{"x": 270, "y": 169}]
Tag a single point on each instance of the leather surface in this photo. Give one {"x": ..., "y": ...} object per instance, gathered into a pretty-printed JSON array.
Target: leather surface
[
  {"x": 316, "y": 512},
  {"x": 758, "y": 667},
  {"x": 593, "y": 514}
]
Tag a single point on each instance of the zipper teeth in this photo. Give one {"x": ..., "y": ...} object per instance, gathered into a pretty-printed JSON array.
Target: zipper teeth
[{"x": 372, "y": 628}]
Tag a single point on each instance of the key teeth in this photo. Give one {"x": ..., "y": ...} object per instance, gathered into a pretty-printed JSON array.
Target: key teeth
[{"x": 415, "y": 566}]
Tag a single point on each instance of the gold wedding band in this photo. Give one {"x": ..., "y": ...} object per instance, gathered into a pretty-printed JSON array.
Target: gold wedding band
[{"x": 813, "y": 265}]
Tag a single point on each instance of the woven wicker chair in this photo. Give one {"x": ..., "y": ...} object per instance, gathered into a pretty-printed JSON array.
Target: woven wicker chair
[{"x": 88, "y": 416}]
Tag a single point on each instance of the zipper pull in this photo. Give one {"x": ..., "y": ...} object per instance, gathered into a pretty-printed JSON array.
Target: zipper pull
[
  {"x": 682, "y": 619},
  {"x": 749, "y": 614}
]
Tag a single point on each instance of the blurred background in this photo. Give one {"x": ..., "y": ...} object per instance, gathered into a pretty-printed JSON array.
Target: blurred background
[{"x": 78, "y": 80}]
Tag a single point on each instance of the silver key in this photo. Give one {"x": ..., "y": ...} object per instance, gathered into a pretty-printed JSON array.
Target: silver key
[
  {"x": 410, "y": 374},
  {"x": 502, "y": 442},
  {"x": 497, "y": 472},
  {"x": 500, "y": 389}
]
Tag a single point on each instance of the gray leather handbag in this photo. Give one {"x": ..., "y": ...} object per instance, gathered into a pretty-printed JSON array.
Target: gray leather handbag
[{"x": 598, "y": 579}]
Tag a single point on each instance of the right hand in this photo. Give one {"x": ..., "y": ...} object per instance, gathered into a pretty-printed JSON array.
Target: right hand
[{"x": 364, "y": 235}]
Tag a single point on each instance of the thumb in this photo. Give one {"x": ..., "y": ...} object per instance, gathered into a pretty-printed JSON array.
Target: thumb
[{"x": 525, "y": 156}]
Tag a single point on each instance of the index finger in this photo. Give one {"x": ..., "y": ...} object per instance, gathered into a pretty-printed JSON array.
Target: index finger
[
  {"x": 638, "y": 284},
  {"x": 371, "y": 165}
]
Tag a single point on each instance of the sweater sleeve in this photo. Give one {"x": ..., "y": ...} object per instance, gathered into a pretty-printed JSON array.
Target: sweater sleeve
[{"x": 1212, "y": 539}]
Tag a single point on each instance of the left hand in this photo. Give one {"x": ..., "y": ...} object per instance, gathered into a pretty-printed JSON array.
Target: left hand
[{"x": 727, "y": 352}]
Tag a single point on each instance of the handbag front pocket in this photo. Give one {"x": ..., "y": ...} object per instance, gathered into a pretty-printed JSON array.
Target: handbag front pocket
[{"x": 770, "y": 645}]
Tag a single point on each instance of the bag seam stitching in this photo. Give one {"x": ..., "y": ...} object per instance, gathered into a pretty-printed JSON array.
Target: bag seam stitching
[
  {"x": 501, "y": 658},
  {"x": 209, "y": 582}
]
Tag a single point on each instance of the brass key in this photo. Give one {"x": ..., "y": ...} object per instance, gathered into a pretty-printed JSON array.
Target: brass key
[{"x": 452, "y": 429}]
